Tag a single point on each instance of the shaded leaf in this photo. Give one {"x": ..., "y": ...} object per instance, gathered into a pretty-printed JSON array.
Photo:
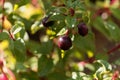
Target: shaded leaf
[
  {"x": 99, "y": 25},
  {"x": 116, "y": 12},
  {"x": 70, "y": 21},
  {"x": 4, "y": 36},
  {"x": 57, "y": 76},
  {"x": 105, "y": 64},
  {"x": 19, "y": 50},
  {"x": 84, "y": 43},
  {"x": 113, "y": 30},
  {"x": 46, "y": 47},
  {"x": 33, "y": 46},
  {"x": 45, "y": 65}
]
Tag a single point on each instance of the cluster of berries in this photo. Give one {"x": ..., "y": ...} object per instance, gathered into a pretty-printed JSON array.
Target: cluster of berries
[{"x": 64, "y": 42}]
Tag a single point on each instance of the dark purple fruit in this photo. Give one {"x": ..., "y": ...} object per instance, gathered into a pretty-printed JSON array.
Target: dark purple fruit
[
  {"x": 45, "y": 20},
  {"x": 47, "y": 23},
  {"x": 82, "y": 29},
  {"x": 64, "y": 42}
]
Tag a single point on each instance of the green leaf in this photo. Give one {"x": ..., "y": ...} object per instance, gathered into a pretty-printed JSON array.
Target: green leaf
[
  {"x": 59, "y": 26},
  {"x": 113, "y": 30},
  {"x": 57, "y": 76},
  {"x": 45, "y": 65},
  {"x": 117, "y": 62},
  {"x": 46, "y": 47},
  {"x": 4, "y": 36},
  {"x": 23, "y": 2},
  {"x": 16, "y": 17},
  {"x": 61, "y": 32},
  {"x": 11, "y": 45},
  {"x": 107, "y": 78},
  {"x": 80, "y": 5},
  {"x": 116, "y": 12},
  {"x": 18, "y": 30},
  {"x": 75, "y": 4},
  {"x": 70, "y": 21},
  {"x": 109, "y": 29},
  {"x": 19, "y": 51},
  {"x": 90, "y": 67},
  {"x": 87, "y": 77},
  {"x": 28, "y": 75},
  {"x": 86, "y": 16},
  {"x": 84, "y": 43},
  {"x": 105, "y": 64},
  {"x": 102, "y": 56},
  {"x": 99, "y": 25},
  {"x": 20, "y": 2},
  {"x": 98, "y": 73},
  {"x": 68, "y": 3},
  {"x": 58, "y": 17},
  {"x": 33, "y": 63},
  {"x": 47, "y": 4},
  {"x": 20, "y": 67},
  {"x": 33, "y": 46},
  {"x": 103, "y": 70},
  {"x": 81, "y": 76}
]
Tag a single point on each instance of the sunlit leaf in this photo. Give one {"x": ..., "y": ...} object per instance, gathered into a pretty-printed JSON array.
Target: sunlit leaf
[{"x": 18, "y": 30}]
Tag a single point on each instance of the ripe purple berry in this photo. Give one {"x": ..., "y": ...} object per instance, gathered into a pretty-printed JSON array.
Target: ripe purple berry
[
  {"x": 82, "y": 29},
  {"x": 47, "y": 23},
  {"x": 64, "y": 42}
]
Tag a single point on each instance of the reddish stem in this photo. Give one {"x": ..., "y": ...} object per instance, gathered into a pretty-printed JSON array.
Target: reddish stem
[
  {"x": 67, "y": 32},
  {"x": 11, "y": 35},
  {"x": 113, "y": 49},
  {"x": 3, "y": 16}
]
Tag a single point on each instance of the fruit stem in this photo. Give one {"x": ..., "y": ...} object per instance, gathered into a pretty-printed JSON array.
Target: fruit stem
[
  {"x": 113, "y": 49},
  {"x": 11, "y": 36},
  {"x": 67, "y": 32}
]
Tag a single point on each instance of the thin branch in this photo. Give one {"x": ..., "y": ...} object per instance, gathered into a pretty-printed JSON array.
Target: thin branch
[{"x": 113, "y": 49}]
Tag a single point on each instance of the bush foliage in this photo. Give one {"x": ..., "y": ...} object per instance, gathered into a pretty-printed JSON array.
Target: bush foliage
[{"x": 31, "y": 46}]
